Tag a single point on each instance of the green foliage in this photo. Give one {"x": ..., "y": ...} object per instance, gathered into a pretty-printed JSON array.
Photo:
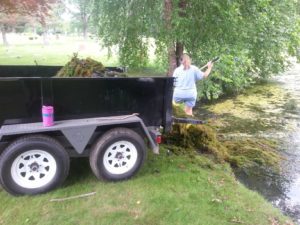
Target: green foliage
[
  {"x": 295, "y": 40},
  {"x": 231, "y": 76},
  {"x": 82, "y": 15},
  {"x": 134, "y": 52},
  {"x": 253, "y": 37},
  {"x": 128, "y": 24}
]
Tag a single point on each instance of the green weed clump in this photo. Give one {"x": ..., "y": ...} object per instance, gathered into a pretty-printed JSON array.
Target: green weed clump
[
  {"x": 81, "y": 68},
  {"x": 197, "y": 138},
  {"x": 178, "y": 110},
  {"x": 249, "y": 153},
  {"x": 189, "y": 139}
]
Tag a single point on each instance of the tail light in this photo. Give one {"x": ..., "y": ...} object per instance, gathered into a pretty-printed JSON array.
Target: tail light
[{"x": 158, "y": 139}]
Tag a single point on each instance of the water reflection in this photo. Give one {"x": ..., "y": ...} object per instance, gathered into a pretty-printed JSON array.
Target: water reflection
[{"x": 283, "y": 190}]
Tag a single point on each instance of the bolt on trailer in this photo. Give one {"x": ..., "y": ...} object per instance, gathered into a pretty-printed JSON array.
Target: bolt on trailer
[{"x": 109, "y": 120}]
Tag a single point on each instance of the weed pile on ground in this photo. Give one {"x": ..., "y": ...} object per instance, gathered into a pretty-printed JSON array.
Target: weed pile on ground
[
  {"x": 178, "y": 110},
  {"x": 249, "y": 153},
  {"x": 199, "y": 138},
  {"x": 194, "y": 139}
]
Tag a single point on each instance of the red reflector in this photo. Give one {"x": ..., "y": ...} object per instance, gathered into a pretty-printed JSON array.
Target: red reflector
[{"x": 158, "y": 139}]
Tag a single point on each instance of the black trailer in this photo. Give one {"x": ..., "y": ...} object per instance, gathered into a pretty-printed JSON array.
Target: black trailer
[{"x": 109, "y": 120}]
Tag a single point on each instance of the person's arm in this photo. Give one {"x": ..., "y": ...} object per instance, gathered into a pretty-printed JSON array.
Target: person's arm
[{"x": 208, "y": 70}]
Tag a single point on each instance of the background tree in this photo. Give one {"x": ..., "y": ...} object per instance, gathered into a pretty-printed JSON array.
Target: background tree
[
  {"x": 128, "y": 24},
  {"x": 13, "y": 23},
  {"x": 82, "y": 12},
  {"x": 10, "y": 9},
  {"x": 5, "y": 25},
  {"x": 253, "y": 37}
]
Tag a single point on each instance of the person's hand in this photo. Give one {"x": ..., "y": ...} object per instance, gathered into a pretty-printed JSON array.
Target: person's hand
[{"x": 210, "y": 65}]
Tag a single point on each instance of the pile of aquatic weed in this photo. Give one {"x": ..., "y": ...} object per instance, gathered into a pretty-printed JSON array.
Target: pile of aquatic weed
[
  {"x": 190, "y": 139},
  {"x": 88, "y": 67},
  {"x": 178, "y": 110},
  {"x": 253, "y": 153},
  {"x": 260, "y": 109}
]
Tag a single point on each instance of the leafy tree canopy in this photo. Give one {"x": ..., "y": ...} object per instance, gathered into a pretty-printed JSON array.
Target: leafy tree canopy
[
  {"x": 21, "y": 11},
  {"x": 253, "y": 37},
  {"x": 37, "y": 8},
  {"x": 82, "y": 12}
]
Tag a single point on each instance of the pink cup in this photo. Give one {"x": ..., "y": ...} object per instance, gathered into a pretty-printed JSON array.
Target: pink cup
[{"x": 47, "y": 112}]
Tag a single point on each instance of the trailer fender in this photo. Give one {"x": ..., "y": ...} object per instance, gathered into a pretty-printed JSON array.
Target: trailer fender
[{"x": 79, "y": 136}]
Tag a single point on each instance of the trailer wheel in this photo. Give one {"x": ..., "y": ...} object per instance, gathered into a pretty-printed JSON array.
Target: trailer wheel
[
  {"x": 33, "y": 165},
  {"x": 117, "y": 155}
]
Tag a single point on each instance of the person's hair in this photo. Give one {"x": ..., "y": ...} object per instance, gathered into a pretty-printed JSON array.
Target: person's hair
[{"x": 186, "y": 58}]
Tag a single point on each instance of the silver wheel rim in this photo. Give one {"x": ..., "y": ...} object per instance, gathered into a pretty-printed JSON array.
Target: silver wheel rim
[
  {"x": 120, "y": 157},
  {"x": 33, "y": 169}
]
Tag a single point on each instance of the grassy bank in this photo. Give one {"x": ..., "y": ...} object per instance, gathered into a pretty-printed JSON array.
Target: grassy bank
[{"x": 170, "y": 189}]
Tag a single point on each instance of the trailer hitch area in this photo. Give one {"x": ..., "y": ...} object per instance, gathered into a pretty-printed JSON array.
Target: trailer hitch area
[{"x": 187, "y": 120}]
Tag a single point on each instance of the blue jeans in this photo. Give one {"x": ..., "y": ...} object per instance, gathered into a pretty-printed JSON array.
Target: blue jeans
[{"x": 190, "y": 102}]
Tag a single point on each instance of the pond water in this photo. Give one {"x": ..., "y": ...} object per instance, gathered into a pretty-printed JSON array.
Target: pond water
[
  {"x": 272, "y": 111},
  {"x": 287, "y": 196}
]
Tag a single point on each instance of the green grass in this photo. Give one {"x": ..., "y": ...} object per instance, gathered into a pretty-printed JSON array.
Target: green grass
[
  {"x": 169, "y": 189},
  {"x": 58, "y": 52},
  {"x": 23, "y": 51}
]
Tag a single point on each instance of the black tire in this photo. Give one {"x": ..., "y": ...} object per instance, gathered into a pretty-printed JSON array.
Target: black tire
[
  {"x": 134, "y": 146},
  {"x": 27, "y": 152}
]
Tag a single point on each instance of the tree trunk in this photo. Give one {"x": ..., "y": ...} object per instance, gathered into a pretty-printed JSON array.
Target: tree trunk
[
  {"x": 179, "y": 52},
  {"x": 4, "y": 37},
  {"x": 174, "y": 52},
  {"x": 84, "y": 29},
  {"x": 182, "y": 7},
  {"x": 171, "y": 60},
  {"x": 171, "y": 48},
  {"x": 45, "y": 35},
  {"x": 180, "y": 45}
]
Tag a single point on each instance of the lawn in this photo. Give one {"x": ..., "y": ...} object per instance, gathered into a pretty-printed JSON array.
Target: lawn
[
  {"x": 170, "y": 189},
  {"x": 23, "y": 51}
]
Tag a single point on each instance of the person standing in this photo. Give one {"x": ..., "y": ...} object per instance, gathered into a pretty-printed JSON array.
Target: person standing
[{"x": 186, "y": 76}]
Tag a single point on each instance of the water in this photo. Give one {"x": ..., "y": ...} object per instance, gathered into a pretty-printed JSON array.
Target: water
[
  {"x": 283, "y": 189},
  {"x": 289, "y": 201}
]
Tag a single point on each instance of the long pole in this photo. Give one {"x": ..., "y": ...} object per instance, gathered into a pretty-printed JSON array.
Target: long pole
[{"x": 214, "y": 60}]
